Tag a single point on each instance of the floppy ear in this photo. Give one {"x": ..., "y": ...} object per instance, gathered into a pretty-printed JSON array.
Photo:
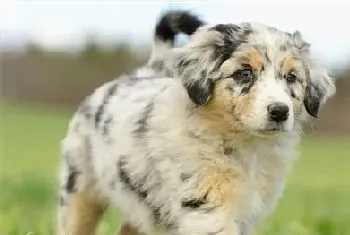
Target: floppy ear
[
  {"x": 197, "y": 63},
  {"x": 312, "y": 100},
  {"x": 200, "y": 91},
  {"x": 320, "y": 87},
  {"x": 195, "y": 80}
]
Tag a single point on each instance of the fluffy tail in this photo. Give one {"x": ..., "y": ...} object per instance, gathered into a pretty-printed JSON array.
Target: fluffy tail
[{"x": 168, "y": 26}]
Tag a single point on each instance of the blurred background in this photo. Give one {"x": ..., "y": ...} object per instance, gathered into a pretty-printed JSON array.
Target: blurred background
[{"x": 54, "y": 53}]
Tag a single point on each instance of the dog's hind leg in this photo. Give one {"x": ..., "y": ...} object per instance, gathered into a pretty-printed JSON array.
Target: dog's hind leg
[
  {"x": 80, "y": 216},
  {"x": 80, "y": 207}
]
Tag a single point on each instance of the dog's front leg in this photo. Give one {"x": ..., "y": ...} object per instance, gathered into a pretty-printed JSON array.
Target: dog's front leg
[{"x": 214, "y": 204}]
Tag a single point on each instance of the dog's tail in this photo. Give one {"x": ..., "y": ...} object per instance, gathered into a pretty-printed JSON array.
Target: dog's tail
[{"x": 168, "y": 26}]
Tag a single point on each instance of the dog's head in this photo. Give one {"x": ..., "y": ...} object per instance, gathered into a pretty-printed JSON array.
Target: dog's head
[{"x": 257, "y": 78}]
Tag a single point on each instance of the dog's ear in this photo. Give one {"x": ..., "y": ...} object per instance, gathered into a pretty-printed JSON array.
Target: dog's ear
[
  {"x": 197, "y": 63},
  {"x": 199, "y": 90},
  {"x": 319, "y": 88},
  {"x": 320, "y": 85},
  {"x": 194, "y": 78}
]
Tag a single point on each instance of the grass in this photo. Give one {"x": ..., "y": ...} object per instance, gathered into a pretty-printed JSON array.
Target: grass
[{"x": 316, "y": 200}]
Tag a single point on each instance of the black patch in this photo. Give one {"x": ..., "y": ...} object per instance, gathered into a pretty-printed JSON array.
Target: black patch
[
  {"x": 183, "y": 63},
  {"x": 72, "y": 178},
  {"x": 313, "y": 95},
  {"x": 100, "y": 109},
  {"x": 292, "y": 93},
  {"x": 200, "y": 90},
  {"x": 245, "y": 90},
  {"x": 175, "y": 22},
  {"x": 142, "y": 193},
  {"x": 193, "y": 203},
  {"x": 185, "y": 176},
  {"x": 312, "y": 100},
  {"x": 125, "y": 178},
  {"x": 143, "y": 121},
  {"x": 246, "y": 85},
  {"x": 98, "y": 114},
  {"x": 233, "y": 36},
  {"x": 228, "y": 150},
  {"x": 226, "y": 29}
]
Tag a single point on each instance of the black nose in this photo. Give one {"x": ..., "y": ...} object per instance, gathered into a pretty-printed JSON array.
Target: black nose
[{"x": 278, "y": 111}]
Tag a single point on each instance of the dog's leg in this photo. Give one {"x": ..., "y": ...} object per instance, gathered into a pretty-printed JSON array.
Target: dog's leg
[
  {"x": 213, "y": 207},
  {"x": 128, "y": 229},
  {"x": 80, "y": 216},
  {"x": 81, "y": 206}
]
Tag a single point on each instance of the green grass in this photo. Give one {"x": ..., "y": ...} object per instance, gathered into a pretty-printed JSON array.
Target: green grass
[{"x": 316, "y": 199}]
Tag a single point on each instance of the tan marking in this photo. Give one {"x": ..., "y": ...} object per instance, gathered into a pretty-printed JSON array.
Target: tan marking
[
  {"x": 289, "y": 64},
  {"x": 251, "y": 57},
  {"x": 83, "y": 215},
  {"x": 219, "y": 185},
  {"x": 217, "y": 114},
  {"x": 128, "y": 229},
  {"x": 224, "y": 112},
  {"x": 254, "y": 59}
]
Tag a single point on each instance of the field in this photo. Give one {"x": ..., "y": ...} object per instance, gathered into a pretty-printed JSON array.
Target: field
[{"x": 316, "y": 200}]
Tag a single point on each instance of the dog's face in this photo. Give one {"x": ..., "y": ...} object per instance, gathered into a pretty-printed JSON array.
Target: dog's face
[{"x": 258, "y": 78}]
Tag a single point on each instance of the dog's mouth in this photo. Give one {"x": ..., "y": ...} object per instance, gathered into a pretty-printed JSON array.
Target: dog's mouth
[{"x": 269, "y": 131}]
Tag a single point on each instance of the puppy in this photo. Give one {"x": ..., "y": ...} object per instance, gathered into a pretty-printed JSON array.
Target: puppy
[{"x": 205, "y": 150}]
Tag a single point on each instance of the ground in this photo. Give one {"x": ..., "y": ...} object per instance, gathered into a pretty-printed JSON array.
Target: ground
[{"x": 315, "y": 202}]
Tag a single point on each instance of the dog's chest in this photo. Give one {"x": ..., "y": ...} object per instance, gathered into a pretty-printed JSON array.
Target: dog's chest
[{"x": 265, "y": 169}]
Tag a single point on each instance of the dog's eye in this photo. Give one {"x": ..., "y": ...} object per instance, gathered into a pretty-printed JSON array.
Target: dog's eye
[
  {"x": 246, "y": 74},
  {"x": 290, "y": 77}
]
